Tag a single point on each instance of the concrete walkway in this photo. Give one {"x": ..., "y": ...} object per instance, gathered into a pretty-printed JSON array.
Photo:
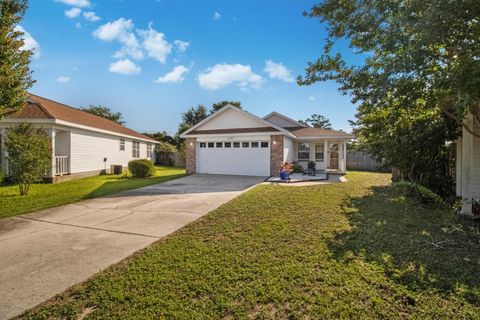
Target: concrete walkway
[{"x": 45, "y": 252}]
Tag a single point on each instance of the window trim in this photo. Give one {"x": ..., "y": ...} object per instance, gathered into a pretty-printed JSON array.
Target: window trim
[
  {"x": 321, "y": 146},
  {"x": 122, "y": 144},
  {"x": 245, "y": 144},
  {"x": 307, "y": 151},
  {"x": 135, "y": 149},
  {"x": 227, "y": 144},
  {"x": 236, "y": 144},
  {"x": 149, "y": 151},
  {"x": 202, "y": 145},
  {"x": 210, "y": 145},
  {"x": 254, "y": 144},
  {"x": 264, "y": 144}
]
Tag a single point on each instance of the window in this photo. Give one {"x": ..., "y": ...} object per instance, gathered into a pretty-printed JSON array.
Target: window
[
  {"x": 236, "y": 144},
  {"x": 228, "y": 144},
  {"x": 211, "y": 145},
  {"x": 264, "y": 144},
  {"x": 219, "y": 144},
  {"x": 254, "y": 144},
  {"x": 202, "y": 144},
  {"x": 122, "y": 144},
  {"x": 319, "y": 152},
  {"x": 245, "y": 144},
  {"x": 303, "y": 152},
  {"x": 135, "y": 149},
  {"x": 149, "y": 151}
]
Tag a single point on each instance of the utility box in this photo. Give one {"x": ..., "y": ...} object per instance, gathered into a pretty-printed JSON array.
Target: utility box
[{"x": 116, "y": 169}]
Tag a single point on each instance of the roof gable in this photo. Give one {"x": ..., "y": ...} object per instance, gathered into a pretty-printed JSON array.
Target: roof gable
[
  {"x": 231, "y": 119},
  {"x": 282, "y": 121}
]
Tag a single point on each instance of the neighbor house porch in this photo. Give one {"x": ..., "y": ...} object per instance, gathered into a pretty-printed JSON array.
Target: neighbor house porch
[{"x": 328, "y": 155}]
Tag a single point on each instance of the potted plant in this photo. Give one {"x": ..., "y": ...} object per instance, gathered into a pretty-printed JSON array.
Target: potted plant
[{"x": 312, "y": 166}]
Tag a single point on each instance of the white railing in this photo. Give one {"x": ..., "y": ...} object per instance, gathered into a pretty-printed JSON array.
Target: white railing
[{"x": 61, "y": 165}]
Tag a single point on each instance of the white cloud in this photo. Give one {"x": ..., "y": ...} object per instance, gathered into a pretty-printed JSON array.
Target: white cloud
[
  {"x": 120, "y": 30},
  {"x": 181, "y": 46},
  {"x": 78, "y": 25},
  {"x": 63, "y": 79},
  {"x": 216, "y": 16},
  {"x": 221, "y": 75},
  {"x": 155, "y": 44},
  {"x": 176, "y": 75},
  {"x": 278, "y": 71},
  {"x": 91, "y": 16},
  {"x": 312, "y": 98},
  {"x": 125, "y": 66},
  {"x": 29, "y": 43},
  {"x": 73, "y": 13},
  {"x": 76, "y": 3}
]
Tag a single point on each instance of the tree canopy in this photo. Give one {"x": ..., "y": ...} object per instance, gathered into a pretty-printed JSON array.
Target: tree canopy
[
  {"x": 15, "y": 74},
  {"x": 104, "y": 112},
  {"x": 317, "y": 121}
]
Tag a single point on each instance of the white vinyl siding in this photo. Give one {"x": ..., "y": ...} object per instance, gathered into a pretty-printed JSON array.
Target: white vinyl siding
[
  {"x": 288, "y": 150},
  {"x": 88, "y": 149}
]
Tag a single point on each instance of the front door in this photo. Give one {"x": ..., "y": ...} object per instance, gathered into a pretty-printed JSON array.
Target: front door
[{"x": 334, "y": 156}]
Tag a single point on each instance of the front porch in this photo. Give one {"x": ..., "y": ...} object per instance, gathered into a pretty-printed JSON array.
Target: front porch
[{"x": 329, "y": 156}]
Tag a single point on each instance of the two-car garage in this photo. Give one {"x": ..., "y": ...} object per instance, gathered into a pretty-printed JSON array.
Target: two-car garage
[{"x": 242, "y": 156}]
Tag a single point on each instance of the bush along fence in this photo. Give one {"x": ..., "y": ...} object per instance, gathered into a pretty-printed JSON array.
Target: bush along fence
[
  {"x": 170, "y": 159},
  {"x": 359, "y": 160}
]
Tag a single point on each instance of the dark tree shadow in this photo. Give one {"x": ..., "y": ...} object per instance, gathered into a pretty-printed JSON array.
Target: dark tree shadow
[{"x": 421, "y": 248}]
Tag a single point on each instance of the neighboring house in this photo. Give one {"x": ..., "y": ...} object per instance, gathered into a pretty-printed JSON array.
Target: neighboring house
[
  {"x": 82, "y": 144},
  {"x": 468, "y": 166},
  {"x": 233, "y": 141}
]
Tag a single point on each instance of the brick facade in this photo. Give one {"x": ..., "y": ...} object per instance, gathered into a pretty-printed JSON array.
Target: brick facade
[
  {"x": 191, "y": 155},
  {"x": 276, "y": 154}
]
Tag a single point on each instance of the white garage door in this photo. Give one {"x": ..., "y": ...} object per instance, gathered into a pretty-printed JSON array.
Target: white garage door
[{"x": 246, "y": 158}]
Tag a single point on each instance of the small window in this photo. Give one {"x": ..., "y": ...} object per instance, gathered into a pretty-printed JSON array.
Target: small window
[
  {"x": 303, "y": 152},
  {"x": 228, "y": 144},
  {"x": 254, "y": 144},
  {"x": 264, "y": 144},
  {"x": 236, "y": 144},
  {"x": 211, "y": 144},
  {"x": 149, "y": 151},
  {"x": 319, "y": 152},
  {"x": 245, "y": 144},
  {"x": 122, "y": 144},
  {"x": 219, "y": 144},
  {"x": 135, "y": 149},
  {"x": 203, "y": 144}
]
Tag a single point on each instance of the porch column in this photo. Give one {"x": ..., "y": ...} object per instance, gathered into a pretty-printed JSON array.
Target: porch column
[
  {"x": 326, "y": 158},
  {"x": 467, "y": 167},
  {"x": 52, "y": 134}
]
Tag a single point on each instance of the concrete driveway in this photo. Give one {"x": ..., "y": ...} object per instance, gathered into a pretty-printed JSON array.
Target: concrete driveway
[{"x": 45, "y": 252}]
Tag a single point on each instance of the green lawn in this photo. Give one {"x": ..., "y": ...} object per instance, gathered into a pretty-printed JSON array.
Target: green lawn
[
  {"x": 42, "y": 196},
  {"x": 356, "y": 250}
]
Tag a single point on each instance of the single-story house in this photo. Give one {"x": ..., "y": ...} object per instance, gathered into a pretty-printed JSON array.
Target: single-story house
[
  {"x": 83, "y": 144},
  {"x": 468, "y": 166},
  {"x": 233, "y": 141}
]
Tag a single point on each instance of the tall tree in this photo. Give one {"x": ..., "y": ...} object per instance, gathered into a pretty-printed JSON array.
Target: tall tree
[
  {"x": 15, "y": 74},
  {"x": 105, "y": 112},
  {"x": 219, "y": 105},
  {"x": 190, "y": 118},
  {"x": 161, "y": 136},
  {"x": 317, "y": 121},
  {"x": 419, "y": 72}
]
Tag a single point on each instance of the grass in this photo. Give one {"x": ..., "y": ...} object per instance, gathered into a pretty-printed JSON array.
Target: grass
[
  {"x": 43, "y": 196},
  {"x": 357, "y": 250}
]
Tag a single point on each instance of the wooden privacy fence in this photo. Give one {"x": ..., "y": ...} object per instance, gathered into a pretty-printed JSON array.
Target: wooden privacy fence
[
  {"x": 170, "y": 159},
  {"x": 359, "y": 160}
]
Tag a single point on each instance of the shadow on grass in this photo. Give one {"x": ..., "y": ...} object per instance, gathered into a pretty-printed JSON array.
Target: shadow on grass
[{"x": 422, "y": 249}]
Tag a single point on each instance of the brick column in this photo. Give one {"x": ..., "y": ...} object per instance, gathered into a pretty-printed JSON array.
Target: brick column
[
  {"x": 191, "y": 155},
  {"x": 276, "y": 154}
]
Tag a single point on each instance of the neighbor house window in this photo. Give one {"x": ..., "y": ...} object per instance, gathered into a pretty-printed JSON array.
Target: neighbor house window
[
  {"x": 236, "y": 144},
  {"x": 264, "y": 144},
  {"x": 319, "y": 152},
  {"x": 122, "y": 144},
  {"x": 135, "y": 149},
  {"x": 245, "y": 144},
  {"x": 303, "y": 151},
  {"x": 254, "y": 144},
  {"x": 219, "y": 144},
  {"x": 149, "y": 151},
  {"x": 202, "y": 144},
  {"x": 228, "y": 144}
]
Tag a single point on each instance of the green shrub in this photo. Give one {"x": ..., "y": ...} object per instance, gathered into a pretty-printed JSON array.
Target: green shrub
[
  {"x": 297, "y": 168},
  {"x": 141, "y": 168},
  {"x": 420, "y": 193}
]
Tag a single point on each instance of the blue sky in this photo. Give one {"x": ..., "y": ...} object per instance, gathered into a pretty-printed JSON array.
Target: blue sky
[{"x": 152, "y": 59}]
